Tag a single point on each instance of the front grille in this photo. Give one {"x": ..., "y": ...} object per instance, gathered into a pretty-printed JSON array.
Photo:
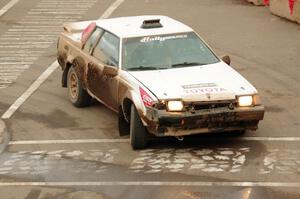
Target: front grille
[
  {"x": 205, "y": 122},
  {"x": 210, "y": 105},
  {"x": 195, "y": 106}
]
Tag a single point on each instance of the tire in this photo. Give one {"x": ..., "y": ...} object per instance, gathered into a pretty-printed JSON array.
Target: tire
[
  {"x": 124, "y": 126},
  {"x": 239, "y": 133},
  {"x": 77, "y": 95},
  {"x": 138, "y": 132}
]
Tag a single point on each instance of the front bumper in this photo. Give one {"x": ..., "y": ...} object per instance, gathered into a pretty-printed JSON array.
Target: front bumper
[{"x": 163, "y": 123}]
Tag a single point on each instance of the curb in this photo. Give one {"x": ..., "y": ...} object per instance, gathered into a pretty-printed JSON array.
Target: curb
[
  {"x": 257, "y": 2},
  {"x": 4, "y": 138}
]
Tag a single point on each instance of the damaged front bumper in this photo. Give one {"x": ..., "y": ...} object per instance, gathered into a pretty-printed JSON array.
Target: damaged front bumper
[{"x": 164, "y": 123}]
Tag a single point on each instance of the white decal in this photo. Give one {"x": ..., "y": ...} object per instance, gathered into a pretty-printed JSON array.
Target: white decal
[
  {"x": 162, "y": 38},
  {"x": 204, "y": 90}
]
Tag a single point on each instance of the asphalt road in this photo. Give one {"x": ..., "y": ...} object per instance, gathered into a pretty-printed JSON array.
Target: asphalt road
[{"x": 64, "y": 152}]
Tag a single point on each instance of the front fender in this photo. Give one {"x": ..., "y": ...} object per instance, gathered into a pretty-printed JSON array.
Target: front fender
[{"x": 137, "y": 101}]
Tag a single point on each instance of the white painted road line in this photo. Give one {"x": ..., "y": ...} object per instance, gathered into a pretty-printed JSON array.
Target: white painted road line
[
  {"x": 111, "y": 9},
  {"x": 30, "y": 90},
  {"x": 288, "y": 139},
  {"x": 155, "y": 183},
  {"x": 83, "y": 141},
  {"x": 77, "y": 141},
  {"x": 8, "y": 6},
  {"x": 41, "y": 79}
]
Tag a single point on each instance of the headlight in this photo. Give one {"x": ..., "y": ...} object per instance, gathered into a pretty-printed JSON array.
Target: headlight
[
  {"x": 174, "y": 106},
  {"x": 245, "y": 100}
]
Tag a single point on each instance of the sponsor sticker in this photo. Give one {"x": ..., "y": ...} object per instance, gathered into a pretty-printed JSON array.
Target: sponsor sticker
[
  {"x": 200, "y": 85},
  {"x": 147, "y": 100},
  {"x": 162, "y": 38},
  {"x": 205, "y": 90}
]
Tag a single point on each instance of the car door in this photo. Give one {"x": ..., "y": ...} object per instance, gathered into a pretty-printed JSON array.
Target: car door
[
  {"x": 103, "y": 68},
  {"x": 82, "y": 61}
]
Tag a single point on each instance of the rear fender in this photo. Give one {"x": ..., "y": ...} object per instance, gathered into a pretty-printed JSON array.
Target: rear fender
[
  {"x": 64, "y": 79},
  {"x": 66, "y": 64},
  {"x": 79, "y": 65}
]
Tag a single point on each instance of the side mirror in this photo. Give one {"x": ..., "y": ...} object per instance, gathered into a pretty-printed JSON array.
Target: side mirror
[
  {"x": 110, "y": 71},
  {"x": 226, "y": 59}
]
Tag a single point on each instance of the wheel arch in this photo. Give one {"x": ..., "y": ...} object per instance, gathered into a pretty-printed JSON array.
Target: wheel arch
[
  {"x": 64, "y": 79},
  {"x": 68, "y": 63},
  {"x": 126, "y": 108},
  {"x": 78, "y": 64},
  {"x": 130, "y": 99}
]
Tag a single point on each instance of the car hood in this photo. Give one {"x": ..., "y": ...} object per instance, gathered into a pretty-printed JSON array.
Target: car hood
[{"x": 198, "y": 83}]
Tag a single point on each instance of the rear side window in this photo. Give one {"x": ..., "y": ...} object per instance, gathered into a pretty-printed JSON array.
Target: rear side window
[
  {"x": 107, "y": 50},
  {"x": 91, "y": 42}
]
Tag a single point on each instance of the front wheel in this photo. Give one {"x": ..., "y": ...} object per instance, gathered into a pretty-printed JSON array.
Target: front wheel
[
  {"x": 124, "y": 126},
  {"x": 78, "y": 96},
  {"x": 239, "y": 133},
  {"x": 138, "y": 132}
]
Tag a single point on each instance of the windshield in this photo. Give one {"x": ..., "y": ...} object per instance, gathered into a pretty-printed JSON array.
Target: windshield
[{"x": 166, "y": 51}]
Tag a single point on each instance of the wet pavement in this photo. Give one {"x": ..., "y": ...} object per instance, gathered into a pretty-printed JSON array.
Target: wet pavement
[
  {"x": 59, "y": 151},
  {"x": 234, "y": 160}
]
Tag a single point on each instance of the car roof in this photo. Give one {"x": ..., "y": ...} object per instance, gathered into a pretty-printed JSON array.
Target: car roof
[{"x": 125, "y": 27}]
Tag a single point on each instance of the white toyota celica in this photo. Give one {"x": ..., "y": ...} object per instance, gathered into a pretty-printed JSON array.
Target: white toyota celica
[{"x": 159, "y": 75}]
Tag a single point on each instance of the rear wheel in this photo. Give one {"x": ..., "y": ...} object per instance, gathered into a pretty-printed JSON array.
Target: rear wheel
[
  {"x": 78, "y": 96},
  {"x": 138, "y": 132}
]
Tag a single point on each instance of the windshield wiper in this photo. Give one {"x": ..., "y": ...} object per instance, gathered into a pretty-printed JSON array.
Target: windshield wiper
[
  {"x": 144, "y": 68},
  {"x": 187, "y": 64}
]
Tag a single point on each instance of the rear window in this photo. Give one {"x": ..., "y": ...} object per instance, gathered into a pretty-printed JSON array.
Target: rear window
[{"x": 91, "y": 42}]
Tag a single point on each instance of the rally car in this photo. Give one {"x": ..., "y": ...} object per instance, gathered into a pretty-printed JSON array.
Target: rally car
[{"x": 158, "y": 75}]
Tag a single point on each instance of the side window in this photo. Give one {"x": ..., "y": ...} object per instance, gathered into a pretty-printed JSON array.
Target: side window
[
  {"x": 90, "y": 43},
  {"x": 107, "y": 50}
]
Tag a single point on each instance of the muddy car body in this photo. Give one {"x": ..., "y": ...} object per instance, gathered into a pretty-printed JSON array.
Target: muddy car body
[{"x": 158, "y": 75}]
